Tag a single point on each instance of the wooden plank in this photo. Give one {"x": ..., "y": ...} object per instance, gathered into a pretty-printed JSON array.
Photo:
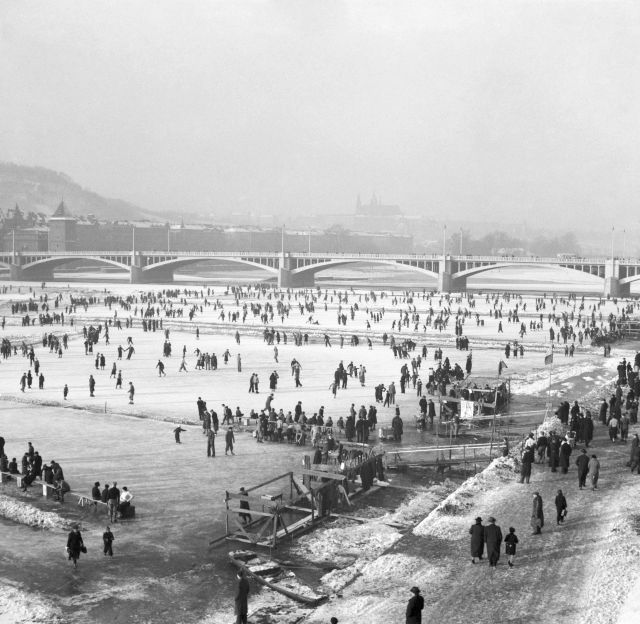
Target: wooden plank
[
  {"x": 282, "y": 476},
  {"x": 298, "y": 524},
  {"x": 395, "y": 525},
  {"x": 256, "y": 500},
  {"x": 237, "y": 512},
  {"x": 323, "y": 475}
]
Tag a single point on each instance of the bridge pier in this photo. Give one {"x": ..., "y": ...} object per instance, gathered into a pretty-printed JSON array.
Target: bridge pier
[
  {"x": 447, "y": 283},
  {"x": 612, "y": 285},
  {"x": 15, "y": 273},
  {"x": 158, "y": 276},
  {"x": 288, "y": 279},
  {"x": 613, "y": 288}
]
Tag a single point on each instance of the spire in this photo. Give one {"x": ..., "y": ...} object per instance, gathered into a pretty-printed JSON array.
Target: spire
[{"x": 62, "y": 212}]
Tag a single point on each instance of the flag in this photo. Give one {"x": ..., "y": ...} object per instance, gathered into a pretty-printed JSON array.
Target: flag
[{"x": 548, "y": 359}]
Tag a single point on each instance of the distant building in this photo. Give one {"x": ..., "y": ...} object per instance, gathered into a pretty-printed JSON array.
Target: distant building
[
  {"x": 377, "y": 216},
  {"x": 63, "y": 234}
]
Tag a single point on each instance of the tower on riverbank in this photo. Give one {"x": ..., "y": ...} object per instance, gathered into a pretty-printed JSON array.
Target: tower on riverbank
[{"x": 63, "y": 235}]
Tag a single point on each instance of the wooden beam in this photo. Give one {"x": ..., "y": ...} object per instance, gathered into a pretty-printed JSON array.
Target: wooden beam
[
  {"x": 282, "y": 476},
  {"x": 323, "y": 475}
]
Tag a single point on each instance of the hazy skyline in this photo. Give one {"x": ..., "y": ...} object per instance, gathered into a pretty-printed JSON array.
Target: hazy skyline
[{"x": 486, "y": 110}]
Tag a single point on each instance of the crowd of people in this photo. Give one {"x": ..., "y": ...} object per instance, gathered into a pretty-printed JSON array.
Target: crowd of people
[{"x": 274, "y": 424}]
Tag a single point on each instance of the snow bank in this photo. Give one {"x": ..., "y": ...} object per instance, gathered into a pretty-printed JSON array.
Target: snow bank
[
  {"x": 456, "y": 512},
  {"x": 29, "y": 515},
  {"x": 615, "y": 574},
  {"x": 20, "y": 607}
]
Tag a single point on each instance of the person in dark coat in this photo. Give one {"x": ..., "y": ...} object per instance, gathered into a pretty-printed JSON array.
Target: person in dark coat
[
  {"x": 537, "y": 514},
  {"x": 242, "y": 599},
  {"x": 493, "y": 539},
  {"x": 244, "y": 504},
  {"x": 565, "y": 453},
  {"x": 588, "y": 429},
  {"x": 414, "y": 607},
  {"x": 634, "y": 456},
  {"x": 229, "y": 439},
  {"x": 350, "y": 428},
  {"x": 398, "y": 427},
  {"x": 75, "y": 545},
  {"x": 554, "y": 452},
  {"x": 583, "y": 468},
  {"x": 107, "y": 541},
  {"x": 528, "y": 458},
  {"x": 510, "y": 545},
  {"x": 561, "y": 506},
  {"x": 477, "y": 540}
]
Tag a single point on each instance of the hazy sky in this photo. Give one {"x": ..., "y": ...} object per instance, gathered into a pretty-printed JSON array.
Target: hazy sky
[{"x": 511, "y": 109}]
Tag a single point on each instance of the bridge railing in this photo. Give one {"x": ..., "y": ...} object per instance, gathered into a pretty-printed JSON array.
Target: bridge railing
[{"x": 330, "y": 256}]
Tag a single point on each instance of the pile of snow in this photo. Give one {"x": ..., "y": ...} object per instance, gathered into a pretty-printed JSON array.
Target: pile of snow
[
  {"x": 416, "y": 508},
  {"x": 455, "y": 512},
  {"x": 552, "y": 423},
  {"x": 29, "y": 515},
  {"x": 608, "y": 589},
  {"x": 345, "y": 541},
  {"x": 21, "y": 607}
]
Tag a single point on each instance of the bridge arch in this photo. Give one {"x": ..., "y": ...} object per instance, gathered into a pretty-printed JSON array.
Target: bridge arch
[
  {"x": 311, "y": 269},
  {"x": 580, "y": 268},
  {"x": 44, "y": 267},
  {"x": 169, "y": 265},
  {"x": 630, "y": 279}
]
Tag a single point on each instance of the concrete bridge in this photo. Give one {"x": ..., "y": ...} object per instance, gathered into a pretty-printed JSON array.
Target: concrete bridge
[{"x": 294, "y": 270}]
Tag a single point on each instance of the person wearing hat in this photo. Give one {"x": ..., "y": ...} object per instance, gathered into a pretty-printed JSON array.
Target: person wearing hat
[
  {"x": 96, "y": 495},
  {"x": 229, "y": 440},
  {"x": 493, "y": 539},
  {"x": 415, "y": 606},
  {"x": 477, "y": 540}
]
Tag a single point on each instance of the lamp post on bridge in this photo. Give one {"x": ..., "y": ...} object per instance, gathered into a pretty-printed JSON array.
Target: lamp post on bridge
[
  {"x": 444, "y": 240},
  {"x": 612, "y": 231},
  {"x": 460, "y": 241}
]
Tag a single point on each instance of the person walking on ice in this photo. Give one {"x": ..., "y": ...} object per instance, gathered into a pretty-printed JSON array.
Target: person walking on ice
[
  {"x": 229, "y": 440},
  {"x": 510, "y": 545},
  {"x": 132, "y": 392},
  {"x": 211, "y": 443},
  {"x": 75, "y": 545},
  {"x": 183, "y": 366},
  {"x": 594, "y": 471},
  {"x": 176, "y": 432},
  {"x": 107, "y": 540}
]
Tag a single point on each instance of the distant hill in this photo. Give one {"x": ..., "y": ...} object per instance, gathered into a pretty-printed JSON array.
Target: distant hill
[{"x": 40, "y": 190}]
